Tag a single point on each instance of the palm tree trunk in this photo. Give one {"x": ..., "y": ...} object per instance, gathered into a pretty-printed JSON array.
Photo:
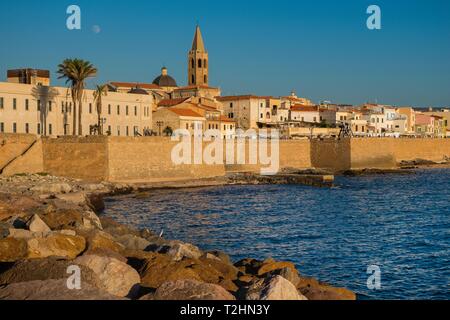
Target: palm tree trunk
[
  {"x": 80, "y": 107},
  {"x": 74, "y": 118}
]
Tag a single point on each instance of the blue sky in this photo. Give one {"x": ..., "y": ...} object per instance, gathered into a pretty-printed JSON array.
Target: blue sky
[{"x": 321, "y": 49}]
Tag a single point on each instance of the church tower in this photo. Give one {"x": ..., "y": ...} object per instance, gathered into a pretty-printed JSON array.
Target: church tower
[{"x": 198, "y": 61}]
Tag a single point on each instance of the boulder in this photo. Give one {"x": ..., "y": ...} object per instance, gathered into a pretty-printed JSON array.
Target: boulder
[
  {"x": 55, "y": 245},
  {"x": 96, "y": 202},
  {"x": 273, "y": 288},
  {"x": 59, "y": 219},
  {"x": 271, "y": 265},
  {"x": 52, "y": 188},
  {"x": 133, "y": 242},
  {"x": 52, "y": 290},
  {"x": 315, "y": 290},
  {"x": 4, "y": 229},
  {"x": 43, "y": 269},
  {"x": 191, "y": 290},
  {"x": 12, "y": 249},
  {"x": 177, "y": 250},
  {"x": 228, "y": 271},
  {"x": 249, "y": 266},
  {"x": 115, "y": 277},
  {"x": 287, "y": 273},
  {"x": 219, "y": 255},
  {"x": 37, "y": 225},
  {"x": 116, "y": 229},
  {"x": 97, "y": 239},
  {"x": 78, "y": 198}
]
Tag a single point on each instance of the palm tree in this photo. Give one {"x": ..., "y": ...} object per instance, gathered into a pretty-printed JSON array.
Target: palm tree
[
  {"x": 76, "y": 71},
  {"x": 100, "y": 90}
]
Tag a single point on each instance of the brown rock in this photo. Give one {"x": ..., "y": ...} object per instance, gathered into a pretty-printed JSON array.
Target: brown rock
[
  {"x": 52, "y": 290},
  {"x": 96, "y": 202},
  {"x": 43, "y": 269},
  {"x": 191, "y": 290},
  {"x": 56, "y": 245},
  {"x": 97, "y": 239},
  {"x": 273, "y": 265},
  {"x": 287, "y": 273},
  {"x": 249, "y": 266},
  {"x": 62, "y": 218},
  {"x": 315, "y": 290},
  {"x": 228, "y": 271},
  {"x": 37, "y": 225},
  {"x": 273, "y": 288},
  {"x": 12, "y": 249}
]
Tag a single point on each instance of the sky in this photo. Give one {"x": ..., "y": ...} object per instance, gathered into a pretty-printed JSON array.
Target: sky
[{"x": 320, "y": 49}]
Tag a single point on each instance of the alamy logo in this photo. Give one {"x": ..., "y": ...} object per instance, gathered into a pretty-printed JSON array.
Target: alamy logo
[
  {"x": 374, "y": 280},
  {"x": 74, "y": 280},
  {"x": 374, "y": 20},
  {"x": 230, "y": 151},
  {"x": 74, "y": 20}
]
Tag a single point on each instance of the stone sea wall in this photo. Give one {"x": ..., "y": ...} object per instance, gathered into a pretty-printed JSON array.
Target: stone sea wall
[{"x": 147, "y": 159}]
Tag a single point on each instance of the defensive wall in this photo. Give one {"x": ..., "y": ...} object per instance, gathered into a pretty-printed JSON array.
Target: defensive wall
[{"x": 147, "y": 159}]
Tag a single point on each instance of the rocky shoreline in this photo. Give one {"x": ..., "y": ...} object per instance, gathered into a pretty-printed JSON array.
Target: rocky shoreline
[{"x": 52, "y": 234}]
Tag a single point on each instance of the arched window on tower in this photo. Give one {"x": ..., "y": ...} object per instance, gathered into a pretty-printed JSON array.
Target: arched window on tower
[
  {"x": 205, "y": 64},
  {"x": 193, "y": 79},
  {"x": 199, "y": 63},
  {"x": 193, "y": 63}
]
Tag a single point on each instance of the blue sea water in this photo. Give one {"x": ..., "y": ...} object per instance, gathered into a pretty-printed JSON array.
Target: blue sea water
[{"x": 400, "y": 223}]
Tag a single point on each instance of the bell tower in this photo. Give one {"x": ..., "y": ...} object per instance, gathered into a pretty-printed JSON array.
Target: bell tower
[{"x": 198, "y": 61}]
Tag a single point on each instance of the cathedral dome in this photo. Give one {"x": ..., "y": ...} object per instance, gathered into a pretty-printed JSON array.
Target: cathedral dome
[
  {"x": 164, "y": 80},
  {"x": 138, "y": 90}
]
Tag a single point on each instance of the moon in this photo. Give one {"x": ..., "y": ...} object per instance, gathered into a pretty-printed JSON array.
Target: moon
[{"x": 96, "y": 29}]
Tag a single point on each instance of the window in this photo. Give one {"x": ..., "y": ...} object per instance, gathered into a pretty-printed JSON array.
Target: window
[
  {"x": 50, "y": 106},
  {"x": 315, "y": 119},
  {"x": 118, "y": 110},
  {"x": 14, "y": 127},
  {"x": 192, "y": 64},
  {"x": 205, "y": 78},
  {"x": 126, "y": 110},
  {"x": 199, "y": 63},
  {"x": 231, "y": 104},
  {"x": 2, "y": 101},
  {"x": 39, "y": 105},
  {"x": 62, "y": 107},
  {"x": 90, "y": 107},
  {"x": 109, "y": 130},
  {"x": 135, "y": 110},
  {"x": 27, "y": 104},
  {"x": 205, "y": 64},
  {"x": 128, "y": 132},
  {"x": 14, "y": 104},
  {"x": 27, "y": 128},
  {"x": 2, "y": 127},
  {"x": 118, "y": 130},
  {"x": 262, "y": 116},
  {"x": 50, "y": 129},
  {"x": 187, "y": 126},
  {"x": 38, "y": 128},
  {"x": 193, "y": 79}
]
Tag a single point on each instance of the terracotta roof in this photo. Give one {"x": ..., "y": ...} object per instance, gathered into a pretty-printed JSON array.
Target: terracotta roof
[
  {"x": 135, "y": 84},
  {"x": 242, "y": 97},
  {"x": 303, "y": 108},
  {"x": 185, "y": 112},
  {"x": 194, "y": 87},
  {"x": 226, "y": 119},
  {"x": 171, "y": 102},
  {"x": 202, "y": 106}
]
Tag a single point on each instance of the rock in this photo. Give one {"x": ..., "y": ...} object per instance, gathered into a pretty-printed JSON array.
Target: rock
[
  {"x": 56, "y": 245},
  {"x": 159, "y": 268},
  {"x": 133, "y": 242},
  {"x": 116, "y": 229},
  {"x": 178, "y": 250},
  {"x": 220, "y": 255},
  {"x": 52, "y": 188},
  {"x": 249, "y": 266},
  {"x": 273, "y": 288},
  {"x": 104, "y": 252},
  {"x": 96, "y": 202},
  {"x": 43, "y": 269},
  {"x": 115, "y": 277},
  {"x": 228, "y": 285},
  {"x": 52, "y": 290},
  {"x": 24, "y": 234},
  {"x": 60, "y": 219},
  {"x": 287, "y": 273},
  {"x": 4, "y": 230},
  {"x": 37, "y": 225},
  {"x": 191, "y": 290},
  {"x": 97, "y": 239},
  {"x": 271, "y": 265},
  {"x": 12, "y": 249},
  {"x": 78, "y": 198},
  {"x": 228, "y": 271},
  {"x": 315, "y": 290}
]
